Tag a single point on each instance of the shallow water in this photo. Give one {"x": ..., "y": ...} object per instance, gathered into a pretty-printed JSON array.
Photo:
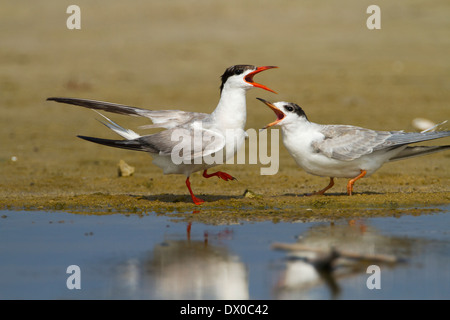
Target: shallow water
[{"x": 163, "y": 257}]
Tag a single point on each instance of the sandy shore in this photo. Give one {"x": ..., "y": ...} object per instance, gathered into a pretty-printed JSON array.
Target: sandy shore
[{"x": 170, "y": 56}]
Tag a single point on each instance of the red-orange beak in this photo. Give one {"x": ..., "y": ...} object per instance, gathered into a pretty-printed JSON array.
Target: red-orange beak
[
  {"x": 280, "y": 115},
  {"x": 249, "y": 78}
]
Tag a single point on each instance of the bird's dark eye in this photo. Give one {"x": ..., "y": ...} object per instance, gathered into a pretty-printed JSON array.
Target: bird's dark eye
[
  {"x": 289, "y": 108},
  {"x": 239, "y": 71}
]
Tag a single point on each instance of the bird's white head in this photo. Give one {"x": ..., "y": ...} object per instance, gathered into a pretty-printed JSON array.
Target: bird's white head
[
  {"x": 286, "y": 112},
  {"x": 241, "y": 76}
]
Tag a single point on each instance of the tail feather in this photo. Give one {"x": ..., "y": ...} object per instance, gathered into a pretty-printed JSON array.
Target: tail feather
[
  {"x": 415, "y": 151},
  {"x": 125, "y": 133},
  {"x": 124, "y": 144},
  {"x": 101, "y": 105},
  {"x": 433, "y": 128},
  {"x": 402, "y": 138}
]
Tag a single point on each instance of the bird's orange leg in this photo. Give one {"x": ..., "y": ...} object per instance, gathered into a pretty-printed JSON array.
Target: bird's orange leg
[
  {"x": 220, "y": 174},
  {"x": 196, "y": 200},
  {"x": 352, "y": 181},
  {"x": 321, "y": 192}
]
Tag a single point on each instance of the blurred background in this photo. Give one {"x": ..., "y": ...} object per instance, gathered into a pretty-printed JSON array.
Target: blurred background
[{"x": 170, "y": 55}]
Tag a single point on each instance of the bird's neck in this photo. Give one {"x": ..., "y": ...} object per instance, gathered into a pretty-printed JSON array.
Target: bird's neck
[
  {"x": 231, "y": 111},
  {"x": 298, "y": 127}
]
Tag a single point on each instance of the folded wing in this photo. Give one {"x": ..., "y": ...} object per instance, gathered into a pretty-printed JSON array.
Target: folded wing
[{"x": 348, "y": 142}]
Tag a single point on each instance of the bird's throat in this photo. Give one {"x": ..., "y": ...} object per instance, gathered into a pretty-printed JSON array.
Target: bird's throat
[{"x": 231, "y": 111}]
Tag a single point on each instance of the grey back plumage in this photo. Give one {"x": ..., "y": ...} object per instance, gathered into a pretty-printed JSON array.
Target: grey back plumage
[{"x": 348, "y": 142}]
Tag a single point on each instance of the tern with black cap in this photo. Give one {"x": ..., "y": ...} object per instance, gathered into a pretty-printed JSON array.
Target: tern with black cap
[
  {"x": 229, "y": 117},
  {"x": 344, "y": 151}
]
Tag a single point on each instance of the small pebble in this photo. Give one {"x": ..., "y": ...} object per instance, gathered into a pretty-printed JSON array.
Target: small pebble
[
  {"x": 124, "y": 169},
  {"x": 249, "y": 194}
]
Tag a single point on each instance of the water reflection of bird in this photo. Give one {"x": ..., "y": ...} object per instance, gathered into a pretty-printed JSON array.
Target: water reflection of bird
[
  {"x": 328, "y": 253},
  {"x": 179, "y": 269}
]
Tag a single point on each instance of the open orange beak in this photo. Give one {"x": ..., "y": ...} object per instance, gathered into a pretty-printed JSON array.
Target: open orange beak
[
  {"x": 280, "y": 115},
  {"x": 249, "y": 78}
]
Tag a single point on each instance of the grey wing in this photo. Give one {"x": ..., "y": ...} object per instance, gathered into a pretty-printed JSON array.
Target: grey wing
[
  {"x": 161, "y": 118},
  {"x": 172, "y": 118},
  {"x": 400, "y": 138},
  {"x": 348, "y": 142},
  {"x": 184, "y": 143}
]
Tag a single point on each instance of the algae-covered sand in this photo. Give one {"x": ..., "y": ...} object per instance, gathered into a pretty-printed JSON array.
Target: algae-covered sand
[{"x": 169, "y": 55}]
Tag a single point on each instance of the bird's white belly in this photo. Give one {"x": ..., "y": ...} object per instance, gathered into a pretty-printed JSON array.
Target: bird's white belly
[
  {"x": 324, "y": 166},
  {"x": 169, "y": 167}
]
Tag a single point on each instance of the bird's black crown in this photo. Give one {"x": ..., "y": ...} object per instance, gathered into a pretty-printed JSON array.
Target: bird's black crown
[
  {"x": 295, "y": 108},
  {"x": 235, "y": 70}
]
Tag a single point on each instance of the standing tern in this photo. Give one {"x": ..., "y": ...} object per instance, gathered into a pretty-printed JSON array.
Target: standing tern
[
  {"x": 343, "y": 151},
  {"x": 223, "y": 128}
]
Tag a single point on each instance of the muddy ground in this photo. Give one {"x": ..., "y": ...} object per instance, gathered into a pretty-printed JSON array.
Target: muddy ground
[{"x": 161, "y": 55}]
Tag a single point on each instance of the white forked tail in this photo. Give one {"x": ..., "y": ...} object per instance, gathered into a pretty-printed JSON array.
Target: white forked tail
[{"x": 125, "y": 133}]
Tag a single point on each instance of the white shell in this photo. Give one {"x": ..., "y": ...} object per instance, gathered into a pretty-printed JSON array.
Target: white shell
[{"x": 422, "y": 124}]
